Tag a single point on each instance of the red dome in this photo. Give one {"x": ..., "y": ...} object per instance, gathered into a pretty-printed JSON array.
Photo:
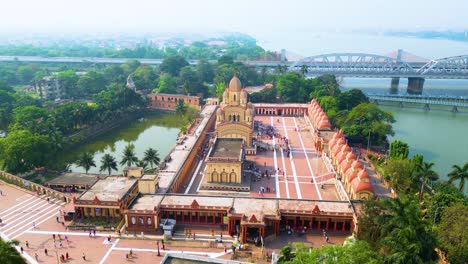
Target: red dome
[
  {"x": 356, "y": 165},
  {"x": 350, "y": 156},
  {"x": 324, "y": 124},
  {"x": 340, "y": 157},
  {"x": 363, "y": 175},
  {"x": 346, "y": 148},
  {"x": 351, "y": 175},
  {"x": 359, "y": 186},
  {"x": 345, "y": 165}
]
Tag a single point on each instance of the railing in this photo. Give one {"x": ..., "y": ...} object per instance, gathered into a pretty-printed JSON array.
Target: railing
[
  {"x": 447, "y": 101},
  {"x": 34, "y": 187}
]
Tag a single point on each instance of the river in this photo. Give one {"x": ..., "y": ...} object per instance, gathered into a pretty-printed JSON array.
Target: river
[
  {"x": 439, "y": 135},
  {"x": 147, "y": 132}
]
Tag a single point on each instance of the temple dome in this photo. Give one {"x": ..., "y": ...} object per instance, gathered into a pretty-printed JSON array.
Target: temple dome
[{"x": 235, "y": 84}]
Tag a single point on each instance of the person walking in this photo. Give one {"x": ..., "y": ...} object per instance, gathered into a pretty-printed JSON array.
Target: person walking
[
  {"x": 27, "y": 244},
  {"x": 36, "y": 256},
  {"x": 67, "y": 256},
  {"x": 83, "y": 256},
  {"x": 34, "y": 225},
  {"x": 46, "y": 252},
  {"x": 22, "y": 250}
]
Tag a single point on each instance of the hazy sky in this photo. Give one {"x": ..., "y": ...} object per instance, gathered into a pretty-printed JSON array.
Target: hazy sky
[{"x": 249, "y": 16}]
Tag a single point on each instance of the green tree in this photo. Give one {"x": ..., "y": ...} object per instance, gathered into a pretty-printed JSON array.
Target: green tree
[
  {"x": 350, "y": 99},
  {"x": 26, "y": 73},
  {"x": 173, "y": 65},
  {"x": 225, "y": 59},
  {"x": 452, "y": 233},
  {"x": 396, "y": 228},
  {"x": 129, "y": 156},
  {"x": 32, "y": 118},
  {"x": 86, "y": 161},
  {"x": 108, "y": 163},
  {"x": 167, "y": 84},
  {"x": 152, "y": 157},
  {"x": 459, "y": 174},
  {"x": 181, "y": 107},
  {"x": 22, "y": 151},
  {"x": 8, "y": 254},
  {"x": 400, "y": 174},
  {"x": 353, "y": 251},
  {"x": 426, "y": 172},
  {"x": 205, "y": 71},
  {"x": 91, "y": 83},
  {"x": 220, "y": 87},
  {"x": 144, "y": 77},
  {"x": 399, "y": 150},
  {"x": 142, "y": 163},
  {"x": 68, "y": 80},
  {"x": 368, "y": 120}
]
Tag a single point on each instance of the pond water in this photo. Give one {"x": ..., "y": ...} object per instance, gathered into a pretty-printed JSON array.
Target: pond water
[{"x": 147, "y": 132}]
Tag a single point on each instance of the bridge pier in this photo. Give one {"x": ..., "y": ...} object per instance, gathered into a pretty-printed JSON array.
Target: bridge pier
[
  {"x": 394, "y": 85},
  {"x": 415, "y": 85}
]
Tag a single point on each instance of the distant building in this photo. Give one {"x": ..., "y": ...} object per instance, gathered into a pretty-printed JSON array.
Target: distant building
[
  {"x": 169, "y": 101},
  {"x": 49, "y": 88}
]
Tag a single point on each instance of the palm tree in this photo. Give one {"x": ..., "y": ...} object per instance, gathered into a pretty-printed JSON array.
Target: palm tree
[
  {"x": 8, "y": 253},
  {"x": 142, "y": 163},
  {"x": 427, "y": 173},
  {"x": 459, "y": 173},
  {"x": 129, "y": 156},
  {"x": 86, "y": 160},
  {"x": 108, "y": 163},
  {"x": 152, "y": 157}
]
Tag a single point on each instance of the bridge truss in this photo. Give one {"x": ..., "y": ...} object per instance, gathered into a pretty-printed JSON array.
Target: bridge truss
[
  {"x": 457, "y": 65},
  {"x": 353, "y": 64}
]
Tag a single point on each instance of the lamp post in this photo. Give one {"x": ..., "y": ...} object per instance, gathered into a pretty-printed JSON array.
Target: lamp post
[{"x": 159, "y": 253}]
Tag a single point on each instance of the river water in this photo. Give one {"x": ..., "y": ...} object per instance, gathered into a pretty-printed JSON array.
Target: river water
[
  {"x": 440, "y": 135},
  {"x": 144, "y": 133}
]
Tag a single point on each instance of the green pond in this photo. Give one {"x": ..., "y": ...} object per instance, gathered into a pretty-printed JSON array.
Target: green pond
[{"x": 157, "y": 131}]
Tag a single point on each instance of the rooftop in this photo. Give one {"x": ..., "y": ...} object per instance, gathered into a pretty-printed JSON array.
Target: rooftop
[
  {"x": 281, "y": 105},
  {"x": 179, "y": 153},
  {"x": 257, "y": 207},
  {"x": 147, "y": 202},
  {"x": 176, "y": 95},
  {"x": 227, "y": 148},
  {"x": 109, "y": 189},
  {"x": 74, "y": 178}
]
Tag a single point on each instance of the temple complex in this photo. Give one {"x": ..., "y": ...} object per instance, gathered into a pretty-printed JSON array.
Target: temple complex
[{"x": 289, "y": 171}]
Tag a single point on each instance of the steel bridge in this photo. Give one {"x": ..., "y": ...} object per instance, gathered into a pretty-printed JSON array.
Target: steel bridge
[
  {"x": 371, "y": 65},
  {"x": 451, "y": 101}
]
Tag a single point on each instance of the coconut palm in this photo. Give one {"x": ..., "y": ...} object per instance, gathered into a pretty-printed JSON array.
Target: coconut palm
[
  {"x": 142, "y": 163},
  {"x": 8, "y": 253},
  {"x": 108, "y": 163},
  {"x": 427, "y": 173},
  {"x": 152, "y": 157},
  {"x": 459, "y": 173},
  {"x": 86, "y": 160},
  {"x": 129, "y": 156}
]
